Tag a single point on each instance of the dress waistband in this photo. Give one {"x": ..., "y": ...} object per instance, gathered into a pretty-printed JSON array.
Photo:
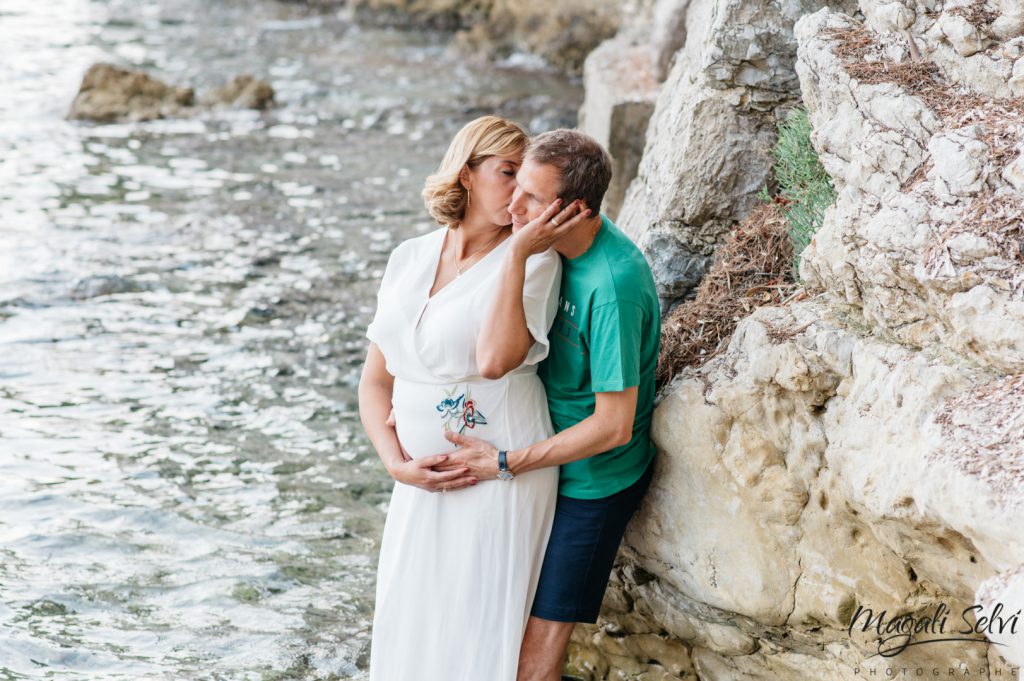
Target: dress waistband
[{"x": 519, "y": 372}]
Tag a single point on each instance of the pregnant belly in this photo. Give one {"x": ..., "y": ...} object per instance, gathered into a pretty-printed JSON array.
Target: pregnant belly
[{"x": 423, "y": 412}]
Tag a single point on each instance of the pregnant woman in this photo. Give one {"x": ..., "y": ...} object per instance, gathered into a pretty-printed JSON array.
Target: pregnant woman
[{"x": 460, "y": 557}]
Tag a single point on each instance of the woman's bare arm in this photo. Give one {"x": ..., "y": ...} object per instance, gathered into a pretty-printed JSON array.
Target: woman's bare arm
[{"x": 505, "y": 340}]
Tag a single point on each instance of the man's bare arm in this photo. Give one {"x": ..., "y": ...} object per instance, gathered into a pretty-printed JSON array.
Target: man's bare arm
[{"x": 610, "y": 426}]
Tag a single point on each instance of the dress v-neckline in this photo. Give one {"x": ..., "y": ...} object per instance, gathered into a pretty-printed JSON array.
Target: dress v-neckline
[{"x": 437, "y": 265}]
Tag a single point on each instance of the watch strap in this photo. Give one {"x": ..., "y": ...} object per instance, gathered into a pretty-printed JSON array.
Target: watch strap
[{"x": 503, "y": 472}]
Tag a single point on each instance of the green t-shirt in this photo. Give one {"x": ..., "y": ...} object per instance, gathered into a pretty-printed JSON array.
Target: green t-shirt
[{"x": 605, "y": 338}]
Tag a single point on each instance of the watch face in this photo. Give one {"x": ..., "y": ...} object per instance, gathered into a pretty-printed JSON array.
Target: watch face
[{"x": 505, "y": 475}]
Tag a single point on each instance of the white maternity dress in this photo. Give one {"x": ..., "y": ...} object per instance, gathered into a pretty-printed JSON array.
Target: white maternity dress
[{"x": 458, "y": 570}]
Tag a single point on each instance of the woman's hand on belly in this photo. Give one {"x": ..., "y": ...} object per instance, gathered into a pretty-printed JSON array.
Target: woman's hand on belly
[{"x": 420, "y": 473}]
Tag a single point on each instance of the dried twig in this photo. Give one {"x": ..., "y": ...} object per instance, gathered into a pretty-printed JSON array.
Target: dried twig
[{"x": 751, "y": 269}]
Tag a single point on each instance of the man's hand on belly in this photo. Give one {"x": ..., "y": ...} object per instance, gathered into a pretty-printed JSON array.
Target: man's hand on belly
[{"x": 478, "y": 456}]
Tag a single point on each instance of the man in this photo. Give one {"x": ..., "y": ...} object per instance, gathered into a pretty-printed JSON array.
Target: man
[{"x": 599, "y": 378}]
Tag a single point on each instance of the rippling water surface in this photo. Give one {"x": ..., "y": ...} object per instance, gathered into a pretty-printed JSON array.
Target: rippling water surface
[{"x": 185, "y": 490}]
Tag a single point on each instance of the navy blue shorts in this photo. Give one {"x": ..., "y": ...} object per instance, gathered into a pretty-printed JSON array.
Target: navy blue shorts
[{"x": 578, "y": 562}]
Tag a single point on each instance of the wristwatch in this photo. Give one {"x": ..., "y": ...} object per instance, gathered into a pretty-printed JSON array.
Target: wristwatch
[{"x": 503, "y": 472}]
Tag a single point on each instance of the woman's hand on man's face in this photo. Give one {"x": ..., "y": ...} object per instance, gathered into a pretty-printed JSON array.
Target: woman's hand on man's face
[{"x": 555, "y": 222}]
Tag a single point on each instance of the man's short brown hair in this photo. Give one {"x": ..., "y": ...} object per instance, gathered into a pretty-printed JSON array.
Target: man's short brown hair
[{"x": 584, "y": 165}]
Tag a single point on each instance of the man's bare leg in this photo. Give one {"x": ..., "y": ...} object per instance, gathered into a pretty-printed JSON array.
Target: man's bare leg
[{"x": 542, "y": 656}]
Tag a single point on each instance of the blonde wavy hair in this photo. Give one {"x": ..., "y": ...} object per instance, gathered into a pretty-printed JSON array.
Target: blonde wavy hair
[{"x": 443, "y": 193}]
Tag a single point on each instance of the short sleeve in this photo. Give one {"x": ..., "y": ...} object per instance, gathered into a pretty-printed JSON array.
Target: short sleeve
[
  {"x": 614, "y": 340},
  {"x": 540, "y": 300},
  {"x": 375, "y": 331}
]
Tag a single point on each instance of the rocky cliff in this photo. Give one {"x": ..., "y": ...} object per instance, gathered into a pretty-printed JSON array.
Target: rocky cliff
[{"x": 862, "y": 447}]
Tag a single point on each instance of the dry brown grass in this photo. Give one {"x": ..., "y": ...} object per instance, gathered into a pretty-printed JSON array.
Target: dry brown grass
[
  {"x": 751, "y": 269},
  {"x": 1001, "y": 221},
  {"x": 863, "y": 59},
  {"x": 977, "y": 14},
  {"x": 982, "y": 429},
  {"x": 957, "y": 106}
]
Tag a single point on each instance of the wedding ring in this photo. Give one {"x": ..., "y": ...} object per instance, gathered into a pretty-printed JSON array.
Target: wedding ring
[
  {"x": 443, "y": 490},
  {"x": 555, "y": 220}
]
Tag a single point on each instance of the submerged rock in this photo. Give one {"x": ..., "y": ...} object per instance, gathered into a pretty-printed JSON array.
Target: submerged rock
[
  {"x": 110, "y": 93},
  {"x": 98, "y": 285},
  {"x": 244, "y": 92}
]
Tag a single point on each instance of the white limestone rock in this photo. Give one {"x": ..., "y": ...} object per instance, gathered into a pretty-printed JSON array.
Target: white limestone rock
[
  {"x": 959, "y": 157},
  {"x": 961, "y": 34},
  {"x": 621, "y": 88},
  {"x": 888, "y": 16},
  {"x": 1005, "y": 591},
  {"x": 884, "y": 247},
  {"x": 1010, "y": 22},
  {"x": 1014, "y": 172},
  {"x": 810, "y": 470},
  {"x": 1016, "y": 82}
]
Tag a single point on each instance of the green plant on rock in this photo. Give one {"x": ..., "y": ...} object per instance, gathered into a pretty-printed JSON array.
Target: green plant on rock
[{"x": 802, "y": 182}]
